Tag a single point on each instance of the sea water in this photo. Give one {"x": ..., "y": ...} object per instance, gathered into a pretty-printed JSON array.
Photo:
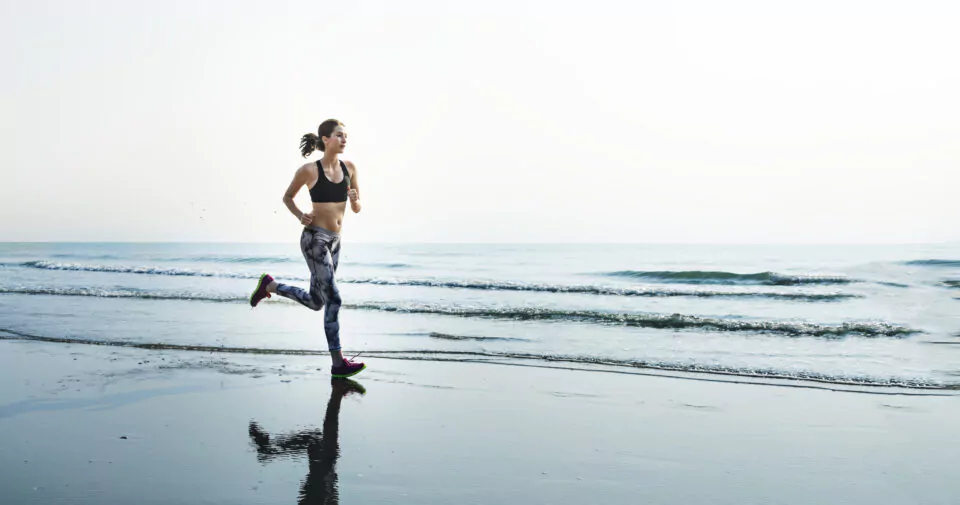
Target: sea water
[{"x": 865, "y": 316}]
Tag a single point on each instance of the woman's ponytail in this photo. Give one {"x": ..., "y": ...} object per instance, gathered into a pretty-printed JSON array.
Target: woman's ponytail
[{"x": 308, "y": 144}]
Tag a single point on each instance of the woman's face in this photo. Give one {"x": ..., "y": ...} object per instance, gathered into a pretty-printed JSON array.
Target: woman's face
[{"x": 336, "y": 142}]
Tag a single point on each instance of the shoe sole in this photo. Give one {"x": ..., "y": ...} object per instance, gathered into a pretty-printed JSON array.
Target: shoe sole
[
  {"x": 255, "y": 291},
  {"x": 351, "y": 374}
]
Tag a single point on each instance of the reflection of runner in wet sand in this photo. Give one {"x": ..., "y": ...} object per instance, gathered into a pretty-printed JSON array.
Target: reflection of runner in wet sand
[{"x": 321, "y": 448}]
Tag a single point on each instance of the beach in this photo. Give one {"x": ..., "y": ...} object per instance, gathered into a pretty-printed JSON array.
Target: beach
[
  {"x": 638, "y": 253},
  {"x": 91, "y": 424}
]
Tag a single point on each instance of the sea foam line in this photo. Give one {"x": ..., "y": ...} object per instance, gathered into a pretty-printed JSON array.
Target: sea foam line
[{"x": 491, "y": 357}]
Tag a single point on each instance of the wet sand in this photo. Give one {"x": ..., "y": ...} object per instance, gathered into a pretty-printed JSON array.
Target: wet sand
[{"x": 93, "y": 424}]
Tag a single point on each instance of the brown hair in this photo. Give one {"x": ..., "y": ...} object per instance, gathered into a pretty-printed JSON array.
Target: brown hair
[{"x": 311, "y": 142}]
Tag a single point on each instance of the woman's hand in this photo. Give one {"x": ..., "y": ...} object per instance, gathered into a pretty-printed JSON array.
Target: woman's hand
[
  {"x": 353, "y": 195},
  {"x": 306, "y": 218}
]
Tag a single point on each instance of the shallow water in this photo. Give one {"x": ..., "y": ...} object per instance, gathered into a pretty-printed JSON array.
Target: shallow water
[{"x": 866, "y": 315}]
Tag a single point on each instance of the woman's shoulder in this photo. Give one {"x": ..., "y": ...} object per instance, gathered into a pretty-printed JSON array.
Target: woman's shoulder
[
  {"x": 350, "y": 166},
  {"x": 310, "y": 166}
]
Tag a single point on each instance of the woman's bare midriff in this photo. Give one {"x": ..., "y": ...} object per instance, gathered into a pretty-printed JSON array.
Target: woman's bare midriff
[{"x": 329, "y": 215}]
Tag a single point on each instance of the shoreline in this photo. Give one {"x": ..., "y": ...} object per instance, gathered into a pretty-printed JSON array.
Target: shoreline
[{"x": 598, "y": 365}]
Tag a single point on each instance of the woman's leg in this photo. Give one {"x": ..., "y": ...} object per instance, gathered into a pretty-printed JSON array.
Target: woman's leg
[
  {"x": 311, "y": 299},
  {"x": 326, "y": 267},
  {"x": 321, "y": 250}
]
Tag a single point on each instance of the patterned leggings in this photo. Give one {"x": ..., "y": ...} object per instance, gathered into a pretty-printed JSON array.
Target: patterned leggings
[{"x": 321, "y": 249}]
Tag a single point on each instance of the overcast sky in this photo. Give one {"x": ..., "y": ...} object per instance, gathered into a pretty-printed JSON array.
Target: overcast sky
[{"x": 494, "y": 121}]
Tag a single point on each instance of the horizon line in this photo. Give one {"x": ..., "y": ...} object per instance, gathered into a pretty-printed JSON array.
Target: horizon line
[{"x": 705, "y": 243}]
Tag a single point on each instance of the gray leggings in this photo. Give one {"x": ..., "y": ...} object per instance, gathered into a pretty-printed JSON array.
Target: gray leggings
[{"x": 321, "y": 249}]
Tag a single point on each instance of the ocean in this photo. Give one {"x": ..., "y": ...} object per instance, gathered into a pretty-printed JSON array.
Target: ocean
[{"x": 852, "y": 317}]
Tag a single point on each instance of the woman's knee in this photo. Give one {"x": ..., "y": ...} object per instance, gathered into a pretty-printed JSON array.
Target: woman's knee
[
  {"x": 333, "y": 307},
  {"x": 333, "y": 310},
  {"x": 333, "y": 298}
]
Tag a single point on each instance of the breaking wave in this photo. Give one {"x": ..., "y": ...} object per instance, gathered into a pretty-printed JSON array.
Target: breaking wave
[
  {"x": 661, "y": 321},
  {"x": 455, "y": 284},
  {"x": 934, "y": 263},
  {"x": 600, "y": 290},
  {"x": 731, "y": 278}
]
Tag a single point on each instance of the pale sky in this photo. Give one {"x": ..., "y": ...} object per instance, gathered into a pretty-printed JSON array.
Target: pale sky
[{"x": 495, "y": 121}]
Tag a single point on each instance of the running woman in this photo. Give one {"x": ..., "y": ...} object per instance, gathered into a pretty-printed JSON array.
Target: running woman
[{"x": 331, "y": 182}]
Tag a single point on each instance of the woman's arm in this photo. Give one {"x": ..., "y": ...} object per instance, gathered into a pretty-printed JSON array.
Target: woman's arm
[
  {"x": 354, "y": 192},
  {"x": 300, "y": 179}
]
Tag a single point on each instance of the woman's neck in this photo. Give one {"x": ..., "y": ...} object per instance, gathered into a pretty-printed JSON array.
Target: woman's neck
[{"x": 330, "y": 160}]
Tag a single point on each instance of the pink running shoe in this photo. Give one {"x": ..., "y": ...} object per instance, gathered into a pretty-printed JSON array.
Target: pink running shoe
[
  {"x": 347, "y": 369},
  {"x": 261, "y": 292}
]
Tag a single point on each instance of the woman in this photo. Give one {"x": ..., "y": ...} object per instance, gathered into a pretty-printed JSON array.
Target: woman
[{"x": 331, "y": 182}]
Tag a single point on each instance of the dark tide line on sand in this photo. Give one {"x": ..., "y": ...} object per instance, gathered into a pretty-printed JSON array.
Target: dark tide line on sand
[{"x": 632, "y": 367}]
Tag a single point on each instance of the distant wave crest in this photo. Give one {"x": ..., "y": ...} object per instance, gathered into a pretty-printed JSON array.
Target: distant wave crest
[
  {"x": 122, "y": 293},
  {"x": 145, "y": 270},
  {"x": 192, "y": 258},
  {"x": 717, "y": 277},
  {"x": 934, "y": 263}
]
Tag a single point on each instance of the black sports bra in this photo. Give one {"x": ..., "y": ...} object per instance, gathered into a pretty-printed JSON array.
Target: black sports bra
[{"x": 326, "y": 191}]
